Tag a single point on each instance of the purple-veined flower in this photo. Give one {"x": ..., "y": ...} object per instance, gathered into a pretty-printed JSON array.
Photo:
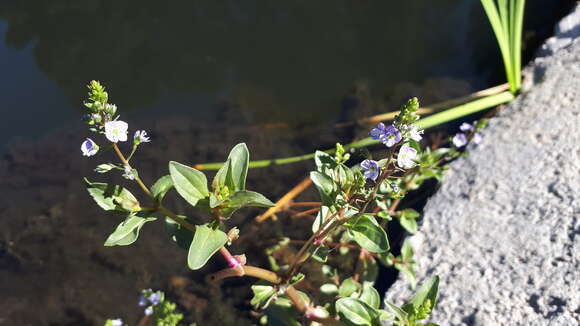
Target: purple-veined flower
[
  {"x": 466, "y": 127},
  {"x": 406, "y": 156},
  {"x": 476, "y": 139},
  {"x": 387, "y": 135},
  {"x": 459, "y": 140},
  {"x": 89, "y": 148},
  {"x": 155, "y": 298},
  {"x": 140, "y": 137},
  {"x": 117, "y": 322},
  {"x": 378, "y": 131},
  {"x": 116, "y": 131},
  {"x": 371, "y": 169},
  {"x": 415, "y": 133},
  {"x": 128, "y": 173},
  {"x": 149, "y": 311}
]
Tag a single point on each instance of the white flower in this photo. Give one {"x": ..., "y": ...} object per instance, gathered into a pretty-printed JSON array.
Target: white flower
[
  {"x": 128, "y": 173},
  {"x": 476, "y": 139},
  {"x": 140, "y": 137},
  {"x": 149, "y": 311},
  {"x": 415, "y": 133},
  {"x": 116, "y": 131},
  {"x": 89, "y": 148},
  {"x": 466, "y": 127},
  {"x": 459, "y": 140},
  {"x": 406, "y": 156},
  {"x": 117, "y": 322}
]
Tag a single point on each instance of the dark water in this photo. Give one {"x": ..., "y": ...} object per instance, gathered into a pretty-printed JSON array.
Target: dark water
[
  {"x": 273, "y": 63},
  {"x": 200, "y": 76}
]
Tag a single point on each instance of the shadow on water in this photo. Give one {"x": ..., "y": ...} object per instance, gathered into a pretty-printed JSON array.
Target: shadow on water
[{"x": 200, "y": 77}]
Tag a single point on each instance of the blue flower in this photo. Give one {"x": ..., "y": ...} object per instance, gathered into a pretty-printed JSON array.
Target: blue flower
[
  {"x": 140, "y": 137},
  {"x": 149, "y": 311},
  {"x": 371, "y": 169},
  {"x": 387, "y": 135},
  {"x": 466, "y": 127},
  {"x": 155, "y": 298},
  {"x": 142, "y": 301},
  {"x": 476, "y": 139},
  {"x": 129, "y": 175},
  {"x": 459, "y": 140},
  {"x": 89, "y": 148}
]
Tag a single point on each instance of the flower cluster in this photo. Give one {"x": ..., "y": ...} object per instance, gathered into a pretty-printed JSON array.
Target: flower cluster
[
  {"x": 150, "y": 299},
  {"x": 462, "y": 138},
  {"x": 102, "y": 119}
]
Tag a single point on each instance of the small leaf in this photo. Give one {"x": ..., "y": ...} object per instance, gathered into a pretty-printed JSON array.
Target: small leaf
[
  {"x": 329, "y": 288},
  {"x": 322, "y": 159},
  {"x": 356, "y": 312},
  {"x": 409, "y": 224},
  {"x": 112, "y": 198},
  {"x": 399, "y": 313},
  {"x": 127, "y": 231},
  {"x": 240, "y": 158},
  {"x": 190, "y": 183},
  {"x": 320, "y": 253},
  {"x": 244, "y": 198},
  {"x": 206, "y": 242},
  {"x": 223, "y": 177},
  {"x": 180, "y": 235},
  {"x": 161, "y": 187},
  {"x": 427, "y": 293},
  {"x": 319, "y": 221},
  {"x": 296, "y": 279},
  {"x": 407, "y": 251},
  {"x": 409, "y": 213},
  {"x": 367, "y": 232},
  {"x": 325, "y": 187},
  {"x": 370, "y": 296},
  {"x": 262, "y": 295},
  {"x": 348, "y": 287}
]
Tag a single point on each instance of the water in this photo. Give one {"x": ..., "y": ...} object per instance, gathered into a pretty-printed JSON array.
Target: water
[{"x": 201, "y": 76}]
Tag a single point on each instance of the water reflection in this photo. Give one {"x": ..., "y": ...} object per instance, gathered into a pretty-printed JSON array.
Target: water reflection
[{"x": 279, "y": 62}]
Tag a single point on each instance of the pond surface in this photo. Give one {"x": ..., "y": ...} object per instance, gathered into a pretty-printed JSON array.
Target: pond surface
[
  {"x": 272, "y": 63},
  {"x": 201, "y": 76}
]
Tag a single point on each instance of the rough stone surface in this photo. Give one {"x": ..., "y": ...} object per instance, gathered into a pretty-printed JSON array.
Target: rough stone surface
[{"x": 503, "y": 231}]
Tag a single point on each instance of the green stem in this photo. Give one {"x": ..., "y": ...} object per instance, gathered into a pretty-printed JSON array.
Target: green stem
[{"x": 425, "y": 123}]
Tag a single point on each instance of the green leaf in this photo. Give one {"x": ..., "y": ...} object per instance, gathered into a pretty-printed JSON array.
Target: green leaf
[
  {"x": 319, "y": 221},
  {"x": 348, "y": 287},
  {"x": 112, "y": 198},
  {"x": 206, "y": 242},
  {"x": 399, "y": 313},
  {"x": 426, "y": 295},
  {"x": 325, "y": 187},
  {"x": 368, "y": 271},
  {"x": 224, "y": 178},
  {"x": 329, "y": 288},
  {"x": 180, "y": 235},
  {"x": 409, "y": 213},
  {"x": 240, "y": 158},
  {"x": 320, "y": 253},
  {"x": 356, "y": 312},
  {"x": 322, "y": 160},
  {"x": 296, "y": 279},
  {"x": 190, "y": 183},
  {"x": 407, "y": 251},
  {"x": 409, "y": 224},
  {"x": 367, "y": 232},
  {"x": 161, "y": 187},
  {"x": 127, "y": 231},
  {"x": 370, "y": 296},
  {"x": 263, "y": 294},
  {"x": 244, "y": 198}
]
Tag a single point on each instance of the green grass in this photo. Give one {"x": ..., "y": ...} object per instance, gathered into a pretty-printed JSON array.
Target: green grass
[{"x": 506, "y": 19}]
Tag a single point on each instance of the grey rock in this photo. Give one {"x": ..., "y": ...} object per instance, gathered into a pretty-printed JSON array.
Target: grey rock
[{"x": 503, "y": 231}]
